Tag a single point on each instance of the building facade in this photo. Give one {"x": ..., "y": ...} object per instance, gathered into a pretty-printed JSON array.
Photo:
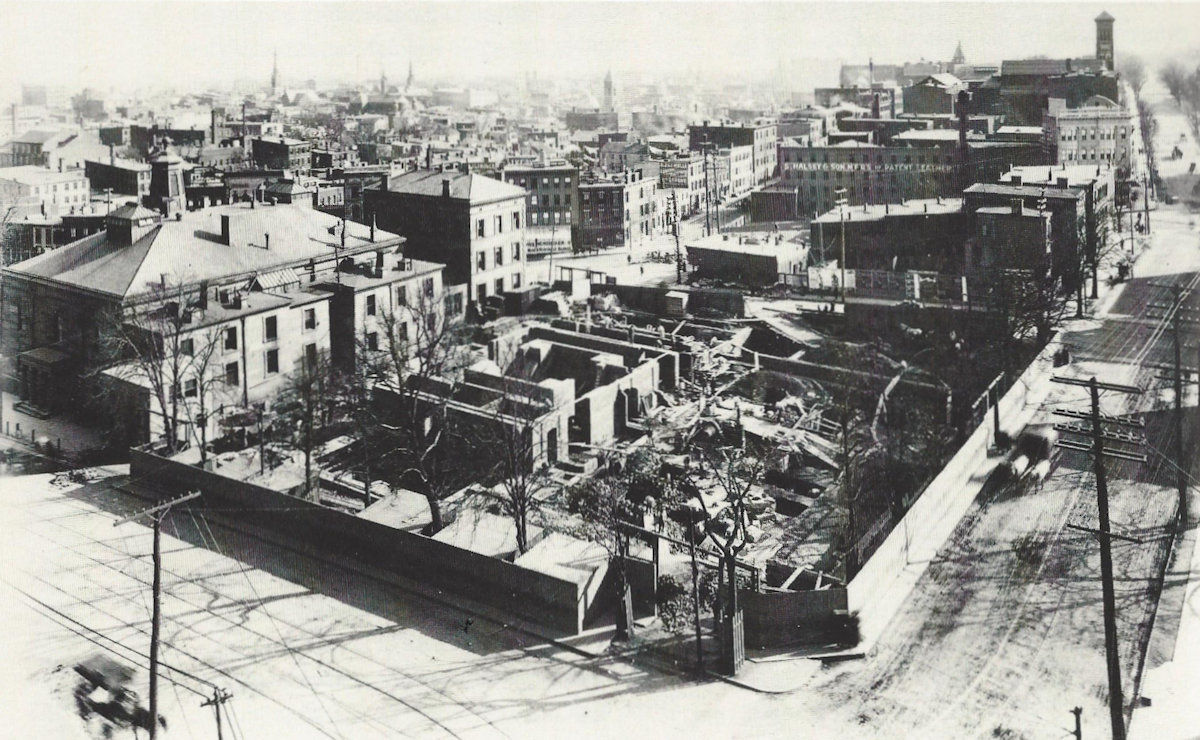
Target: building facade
[
  {"x": 474, "y": 225},
  {"x": 761, "y": 137},
  {"x": 281, "y": 153},
  {"x": 553, "y": 191}
]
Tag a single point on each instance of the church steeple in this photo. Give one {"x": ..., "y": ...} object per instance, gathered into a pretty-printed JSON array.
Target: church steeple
[
  {"x": 409, "y": 82},
  {"x": 274, "y": 72},
  {"x": 959, "y": 57},
  {"x": 382, "y": 82}
]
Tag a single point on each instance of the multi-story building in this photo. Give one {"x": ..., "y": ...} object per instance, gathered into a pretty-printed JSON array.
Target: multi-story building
[
  {"x": 252, "y": 283},
  {"x": 121, "y": 176},
  {"x": 473, "y": 224},
  {"x": 684, "y": 173},
  {"x": 34, "y": 147},
  {"x": 933, "y": 95},
  {"x": 1009, "y": 238},
  {"x": 553, "y": 191},
  {"x": 617, "y": 210},
  {"x": 277, "y": 152},
  {"x": 616, "y": 156},
  {"x": 1099, "y": 133},
  {"x": 761, "y": 137},
  {"x": 29, "y": 188},
  {"x": 915, "y": 235},
  {"x": 735, "y": 171},
  {"x": 869, "y": 174}
]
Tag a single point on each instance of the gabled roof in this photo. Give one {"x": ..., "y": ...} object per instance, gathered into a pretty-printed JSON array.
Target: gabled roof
[
  {"x": 191, "y": 249},
  {"x": 134, "y": 212},
  {"x": 466, "y": 186},
  {"x": 36, "y": 136}
]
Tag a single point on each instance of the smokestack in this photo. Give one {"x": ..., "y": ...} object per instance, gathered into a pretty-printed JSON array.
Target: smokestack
[{"x": 372, "y": 227}]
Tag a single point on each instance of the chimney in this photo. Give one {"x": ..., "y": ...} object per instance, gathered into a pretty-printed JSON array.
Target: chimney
[
  {"x": 1015, "y": 179},
  {"x": 267, "y": 240},
  {"x": 225, "y": 229},
  {"x": 1017, "y": 207},
  {"x": 112, "y": 157},
  {"x": 372, "y": 227},
  {"x": 378, "y": 264},
  {"x": 1062, "y": 182},
  {"x": 445, "y": 187},
  {"x": 202, "y": 299}
]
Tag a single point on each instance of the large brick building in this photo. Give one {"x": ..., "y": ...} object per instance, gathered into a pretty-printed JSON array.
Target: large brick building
[
  {"x": 277, "y": 152},
  {"x": 553, "y": 191},
  {"x": 618, "y": 210},
  {"x": 475, "y": 225},
  {"x": 761, "y": 137}
]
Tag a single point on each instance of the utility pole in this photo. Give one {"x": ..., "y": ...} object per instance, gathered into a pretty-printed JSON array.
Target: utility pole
[
  {"x": 841, "y": 204},
  {"x": 707, "y": 191},
  {"x": 219, "y": 697},
  {"x": 1116, "y": 702},
  {"x": 1078, "y": 712},
  {"x": 156, "y": 514},
  {"x": 1175, "y": 311},
  {"x": 1146, "y": 199},
  {"x": 673, "y": 213}
]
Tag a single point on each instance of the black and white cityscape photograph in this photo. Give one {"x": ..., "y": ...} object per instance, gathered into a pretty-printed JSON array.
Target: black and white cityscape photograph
[{"x": 605, "y": 369}]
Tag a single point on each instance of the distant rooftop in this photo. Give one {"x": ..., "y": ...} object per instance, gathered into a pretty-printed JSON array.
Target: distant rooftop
[
  {"x": 878, "y": 212},
  {"x": 33, "y": 175},
  {"x": 192, "y": 248},
  {"x": 467, "y": 186}
]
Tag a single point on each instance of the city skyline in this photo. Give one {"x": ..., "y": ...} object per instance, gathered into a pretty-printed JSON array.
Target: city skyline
[{"x": 97, "y": 44}]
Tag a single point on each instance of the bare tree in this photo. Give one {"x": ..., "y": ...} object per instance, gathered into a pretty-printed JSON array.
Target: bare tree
[
  {"x": 854, "y": 447},
  {"x": 1133, "y": 69},
  {"x": 421, "y": 349},
  {"x": 204, "y": 382},
  {"x": 1174, "y": 77},
  {"x": 143, "y": 344},
  {"x": 304, "y": 407},
  {"x": 606, "y": 507},
  {"x": 513, "y": 433}
]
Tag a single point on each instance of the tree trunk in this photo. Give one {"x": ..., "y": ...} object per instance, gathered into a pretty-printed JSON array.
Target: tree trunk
[{"x": 435, "y": 513}]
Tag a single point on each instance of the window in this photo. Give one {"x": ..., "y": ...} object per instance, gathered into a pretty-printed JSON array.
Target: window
[
  {"x": 481, "y": 292},
  {"x": 189, "y": 388},
  {"x": 231, "y": 338},
  {"x": 499, "y": 256},
  {"x": 272, "y": 361},
  {"x": 187, "y": 346},
  {"x": 371, "y": 305},
  {"x": 516, "y": 220},
  {"x": 427, "y": 286},
  {"x": 516, "y": 280},
  {"x": 310, "y": 354},
  {"x": 231, "y": 373},
  {"x": 270, "y": 329},
  {"x": 499, "y": 286},
  {"x": 403, "y": 332},
  {"x": 479, "y": 228},
  {"x": 401, "y": 295},
  {"x": 499, "y": 224},
  {"x": 372, "y": 341},
  {"x": 310, "y": 318},
  {"x": 431, "y": 322},
  {"x": 516, "y": 251}
]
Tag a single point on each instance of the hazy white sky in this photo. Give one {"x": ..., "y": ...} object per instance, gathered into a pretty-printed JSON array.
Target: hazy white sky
[{"x": 134, "y": 44}]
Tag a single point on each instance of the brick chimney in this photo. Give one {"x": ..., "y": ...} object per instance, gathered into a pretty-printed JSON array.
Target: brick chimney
[
  {"x": 445, "y": 187},
  {"x": 1018, "y": 207}
]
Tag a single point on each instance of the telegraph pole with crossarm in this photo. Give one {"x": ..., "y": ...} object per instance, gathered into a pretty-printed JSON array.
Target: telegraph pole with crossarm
[
  {"x": 156, "y": 514},
  {"x": 1116, "y": 702}
]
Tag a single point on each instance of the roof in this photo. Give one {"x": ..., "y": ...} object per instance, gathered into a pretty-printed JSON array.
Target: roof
[
  {"x": 1104, "y": 16},
  {"x": 565, "y": 557},
  {"x": 1019, "y": 130},
  {"x": 927, "y": 134},
  {"x": 1022, "y": 191},
  {"x": 1049, "y": 66},
  {"x": 466, "y": 186},
  {"x": 191, "y": 249},
  {"x": 943, "y": 79},
  {"x": 134, "y": 212},
  {"x": 1076, "y": 174},
  {"x": 36, "y": 136},
  {"x": 33, "y": 175},
  {"x": 1008, "y": 211},
  {"x": 761, "y": 245},
  {"x": 125, "y": 164},
  {"x": 923, "y": 207}
]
